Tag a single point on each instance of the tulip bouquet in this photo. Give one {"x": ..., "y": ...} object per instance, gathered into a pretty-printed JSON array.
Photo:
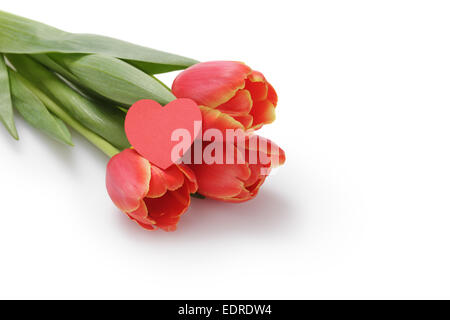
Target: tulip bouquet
[{"x": 92, "y": 84}]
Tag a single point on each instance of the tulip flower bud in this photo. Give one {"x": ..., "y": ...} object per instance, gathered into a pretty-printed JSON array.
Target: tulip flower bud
[
  {"x": 240, "y": 179},
  {"x": 152, "y": 197},
  {"x": 239, "y": 95}
]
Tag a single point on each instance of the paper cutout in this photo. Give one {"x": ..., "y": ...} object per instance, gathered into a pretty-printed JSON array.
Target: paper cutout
[{"x": 149, "y": 128}]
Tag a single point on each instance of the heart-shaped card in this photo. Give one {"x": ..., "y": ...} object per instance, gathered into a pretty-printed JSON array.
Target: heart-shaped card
[{"x": 150, "y": 128}]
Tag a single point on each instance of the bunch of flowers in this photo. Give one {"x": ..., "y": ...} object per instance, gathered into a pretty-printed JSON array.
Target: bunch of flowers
[{"x": 56, "y": 80}]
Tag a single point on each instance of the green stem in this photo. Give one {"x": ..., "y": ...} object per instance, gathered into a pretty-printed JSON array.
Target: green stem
[{"x": 96, "y": 140}]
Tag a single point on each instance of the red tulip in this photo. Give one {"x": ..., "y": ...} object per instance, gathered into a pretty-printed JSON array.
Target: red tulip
[
  {"x": 229, "y": 93},
  {"x": 152, "y": 197},
  {"x": 240, "y": 180}
]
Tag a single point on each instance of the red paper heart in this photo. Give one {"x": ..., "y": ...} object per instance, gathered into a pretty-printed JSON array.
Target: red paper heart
[{"x": 149, "y": 128}]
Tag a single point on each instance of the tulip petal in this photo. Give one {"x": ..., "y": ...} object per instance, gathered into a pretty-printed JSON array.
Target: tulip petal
[
  {"x": 172, "y": 203},
  {"x": 211, "y": 83},
  {"x": 258, "y": 90},
  {"x": 214, "y": 119},
  {"x": 263, "y": 112},
  {"x": 252, "y": 185},
  {"x": 239, "y": 182},
  {"x": 272, "y": 95},
  {"x": 256, "y": 173},
  {"x": 162, "y": 180},
  {"x": 244, "y": 196},
  {"x": 127, "y": 179},
  {"x": 166, "y": 210},
  {"x": 256, "y": 76},
  {"x": 163, "y": 212},
  {"x": 146, "y": 226},
  {"x": 140, "y": 213},
  {"x": 245, "y": 120},
  {"x": 191, "y": 179},
  {"x": 264, "y": 148},
  {"x": 141, "y": 216},
  {"x": 257, "y": 85},
  {"x": 240, "y": 104},
  {"x": 254, "y": 188},
  {"x": 220, "y": 181}
]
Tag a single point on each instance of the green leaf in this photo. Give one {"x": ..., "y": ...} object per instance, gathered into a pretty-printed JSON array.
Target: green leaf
[
  {"x": 35, "y": 112},
  {"x": 64, "y": 129},
  {"x": 21, "y": 35},
  {"x": 6, "y": 109},
  {"x": 107, "y": 78},
  {"x": 112, "y": 78},
  {"x": 106, "y": 121},
  {"x": 54, "y": 66},
  {"x": 95, "y": 139}
]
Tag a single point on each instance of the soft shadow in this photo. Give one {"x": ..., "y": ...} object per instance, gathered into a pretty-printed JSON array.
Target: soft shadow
[
  {"x": 270, "y": 214},
  {"x": 58, "y": 149},
  {"x": 62, "y": 152},
  {"x": 8, "y": 140},
  {"x": 267, "y": 213},
  {"x": 67, "y": 153}
]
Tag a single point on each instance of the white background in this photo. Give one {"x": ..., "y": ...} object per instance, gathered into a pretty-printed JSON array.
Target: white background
[{"x": 360, "y": 210}]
